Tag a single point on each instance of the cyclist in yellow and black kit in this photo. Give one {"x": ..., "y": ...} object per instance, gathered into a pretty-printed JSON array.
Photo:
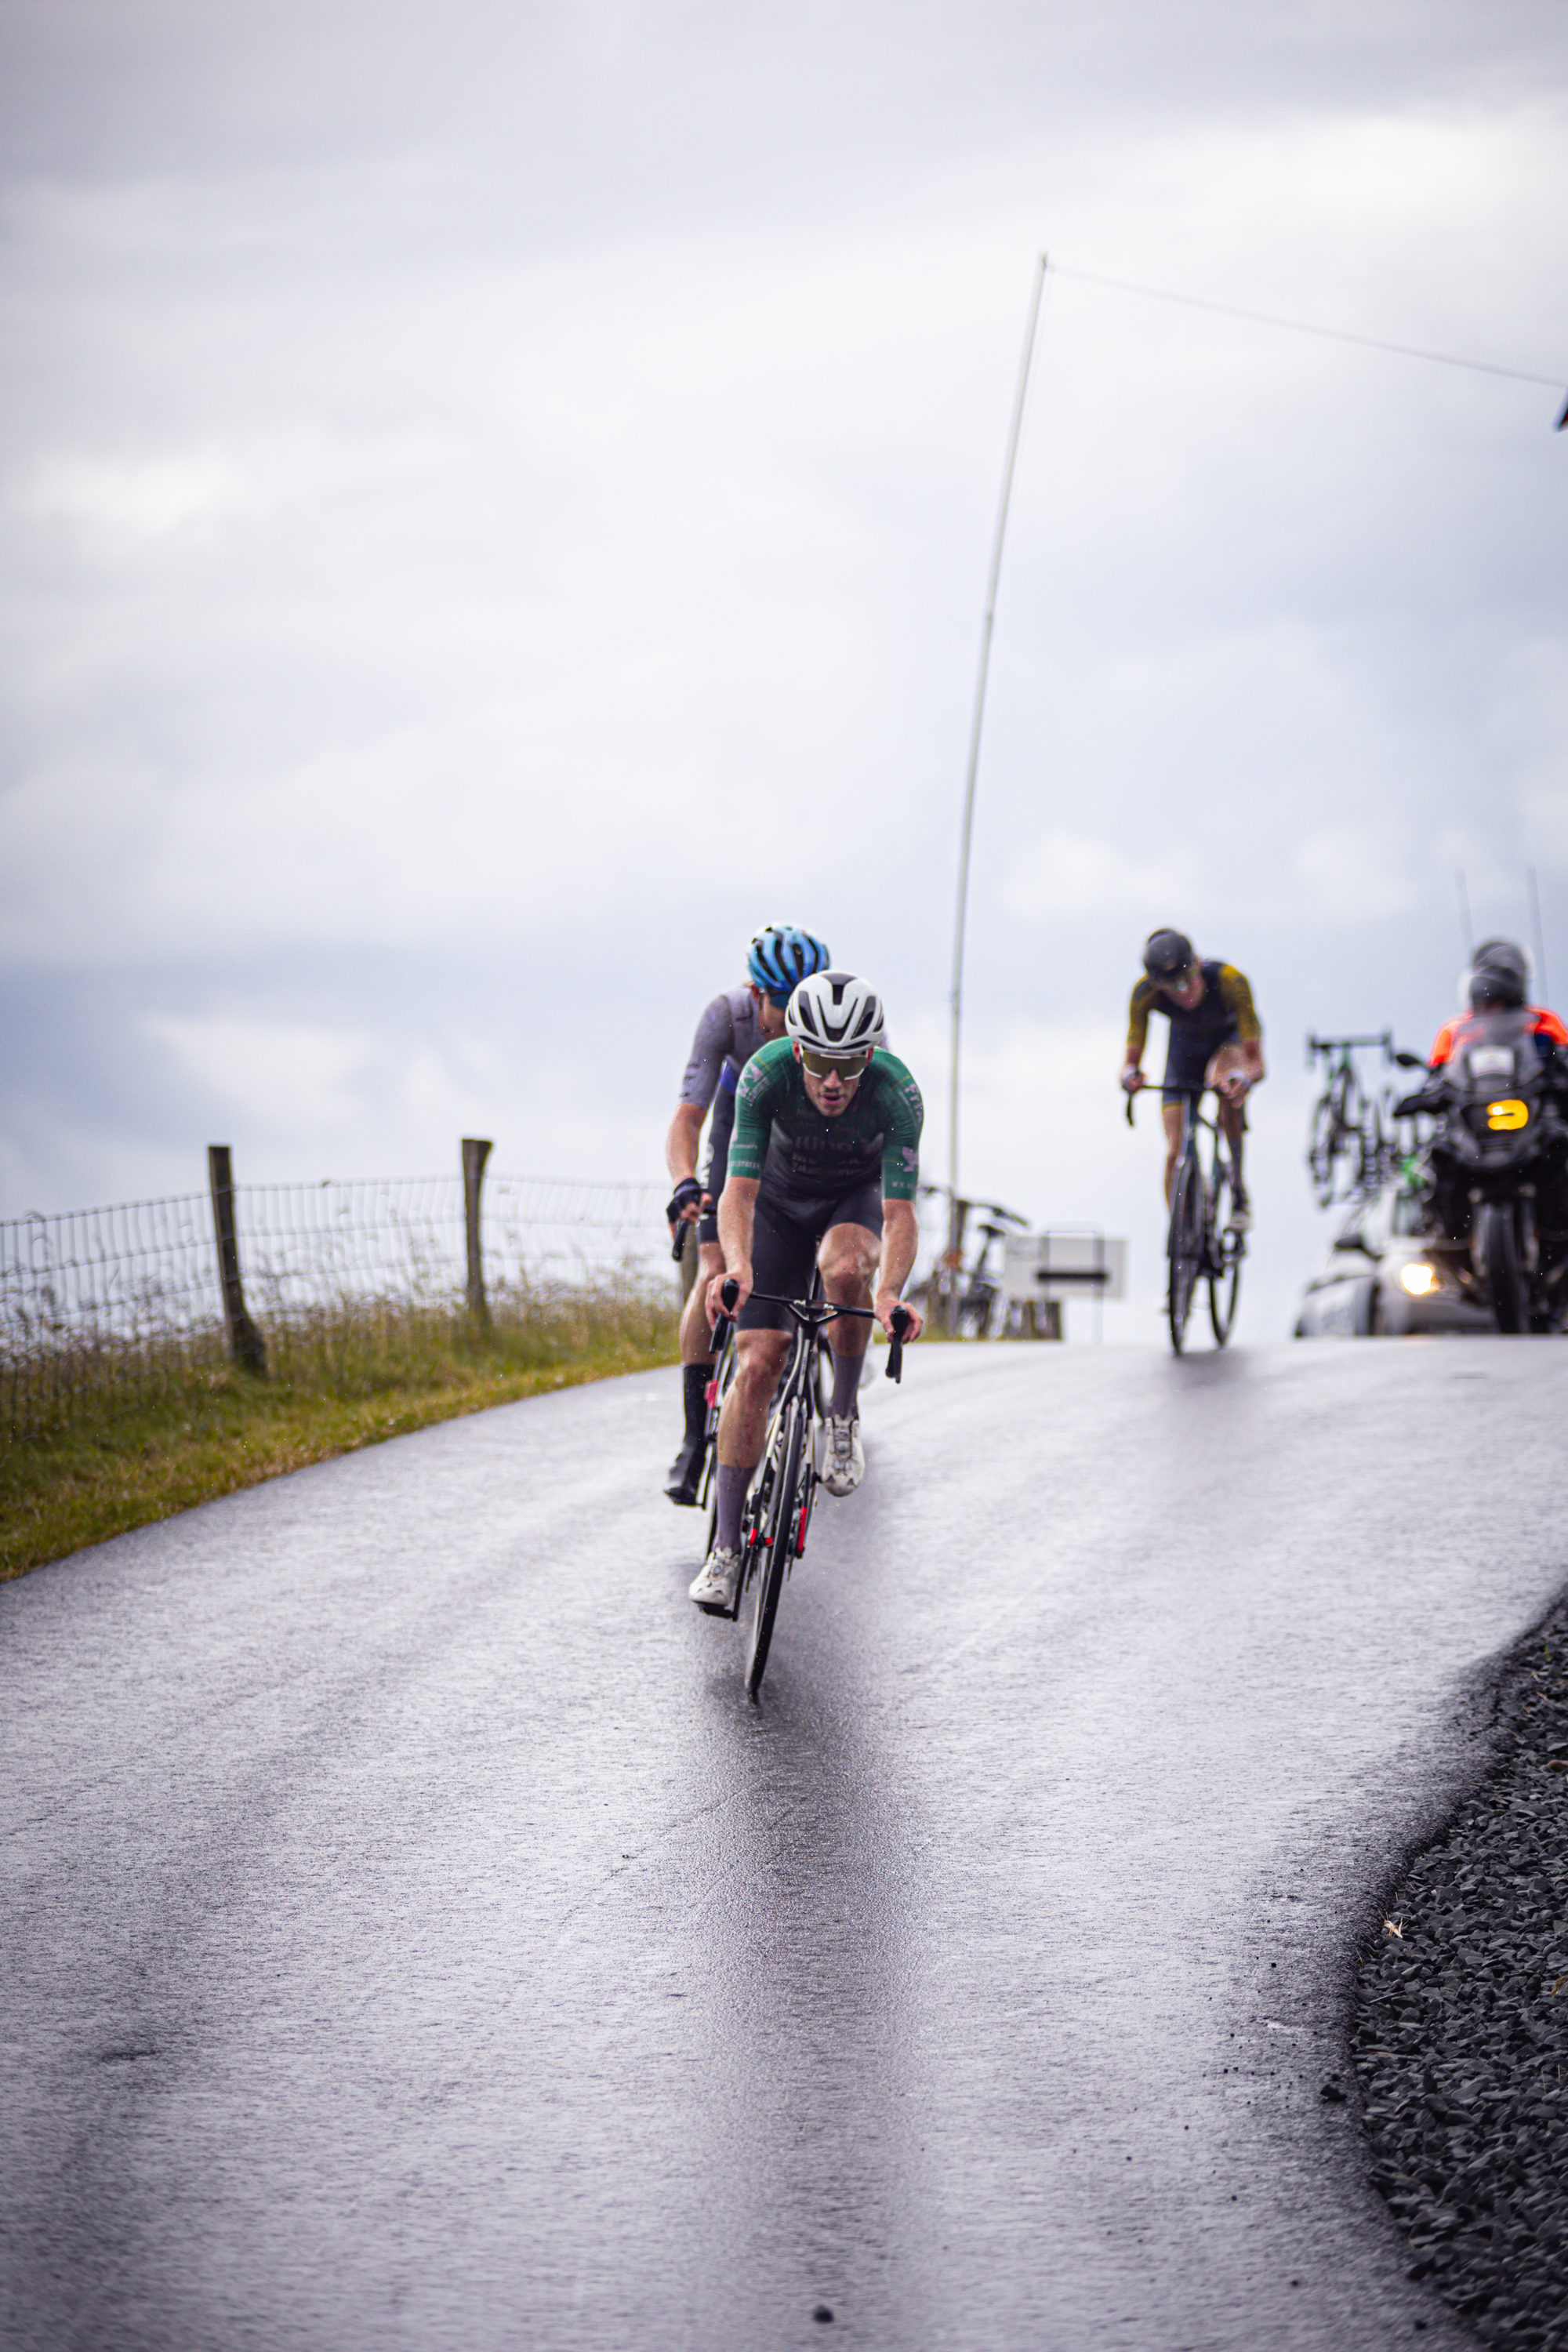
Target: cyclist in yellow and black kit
[{"x": 1217, "y": 1040}]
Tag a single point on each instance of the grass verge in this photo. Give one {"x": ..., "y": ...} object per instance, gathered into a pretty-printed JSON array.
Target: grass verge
[{"x": 335, "y": 1383}]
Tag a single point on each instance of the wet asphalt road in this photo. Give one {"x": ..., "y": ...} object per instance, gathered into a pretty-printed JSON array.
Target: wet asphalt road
[{"x": 412, "y": 1936}]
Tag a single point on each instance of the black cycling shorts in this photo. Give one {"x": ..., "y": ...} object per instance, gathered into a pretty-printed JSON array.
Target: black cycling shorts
[
  {"x": 721, "y": 1128},
  {"x": 784, "y": 1242},
  {"x": 1187, "y": 1058}
]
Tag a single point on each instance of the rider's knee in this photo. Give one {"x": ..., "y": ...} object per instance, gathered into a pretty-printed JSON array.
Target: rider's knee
[
  {"x": 761, "y": 1355},
  {"x": 848, "y": 1263}
]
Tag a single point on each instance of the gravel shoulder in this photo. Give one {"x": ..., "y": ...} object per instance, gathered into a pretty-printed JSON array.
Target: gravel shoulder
[{"x": 1460, "y": 2029}]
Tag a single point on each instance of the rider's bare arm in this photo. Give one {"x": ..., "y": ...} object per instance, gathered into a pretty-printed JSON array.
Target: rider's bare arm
[
  {"x": 680, "y": 1159},
  {"x": 680, "y": 1144},
  {"x": 901, "y": 1239},
  {"x": 737, "y": 1218},
  {"x": 1246, "y": 1072}
]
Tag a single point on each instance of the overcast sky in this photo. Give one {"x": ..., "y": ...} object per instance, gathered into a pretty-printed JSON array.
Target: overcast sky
[{"x": 497, "y": 504}]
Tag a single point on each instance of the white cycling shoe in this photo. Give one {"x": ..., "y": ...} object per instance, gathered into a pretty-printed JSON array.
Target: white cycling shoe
[
  {"x": 846, "y": 1464},
  {"x": 1241, "y": 1218},
  {"x": 715, "y": 1587}
]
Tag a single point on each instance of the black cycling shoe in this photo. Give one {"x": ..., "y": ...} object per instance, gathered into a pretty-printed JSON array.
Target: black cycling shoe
[{"x": 686, "y": 1471}]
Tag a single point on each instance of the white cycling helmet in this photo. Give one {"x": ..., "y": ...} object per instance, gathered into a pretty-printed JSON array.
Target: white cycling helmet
[{"x": 835, "y": 1012}]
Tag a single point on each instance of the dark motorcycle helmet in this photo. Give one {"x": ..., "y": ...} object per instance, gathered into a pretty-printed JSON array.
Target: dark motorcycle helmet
[
  {"x": 1499, "y": 977},
  {"x": 1168, "y": 956}
]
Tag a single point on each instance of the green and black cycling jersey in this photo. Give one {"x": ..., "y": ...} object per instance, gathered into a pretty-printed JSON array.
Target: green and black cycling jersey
[
  {"x": 783, "y": 1142},
  {"x": 1224, "y": 1016}
]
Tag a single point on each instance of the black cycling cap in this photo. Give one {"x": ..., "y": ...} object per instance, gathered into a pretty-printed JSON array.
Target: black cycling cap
[{"x": 1167, "y": 955}]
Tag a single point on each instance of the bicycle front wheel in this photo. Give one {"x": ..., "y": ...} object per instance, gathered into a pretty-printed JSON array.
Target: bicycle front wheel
[
  {"x": 708, "y": 1485},
  {"x": 1225, "y": 1255},
  {"x": 1185, "y": 1247},
  {"x": 768, "y": 1583}
]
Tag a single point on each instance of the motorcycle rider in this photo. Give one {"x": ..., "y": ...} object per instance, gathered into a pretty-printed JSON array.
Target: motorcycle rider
[
  {"x": 1495, "y": 990},
  {"x": 1498, "y": 980}
]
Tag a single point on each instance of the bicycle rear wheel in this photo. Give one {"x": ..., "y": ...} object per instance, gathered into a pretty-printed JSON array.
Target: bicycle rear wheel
[
  {"x": 1321, "y": 1150},
  {"x": 1185, "y": 1247},
  {"x": 778, "y": 1537},
  {"x": 1224, "y": 1254}
]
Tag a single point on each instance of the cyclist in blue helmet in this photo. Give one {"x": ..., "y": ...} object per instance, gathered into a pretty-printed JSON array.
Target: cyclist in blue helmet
[{"x": 731, "y": 1031}]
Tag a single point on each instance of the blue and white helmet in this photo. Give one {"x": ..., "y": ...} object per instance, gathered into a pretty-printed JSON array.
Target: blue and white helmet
[
  {"x": 836, "y": 1012},
  {"x": 781, "y": 957}
]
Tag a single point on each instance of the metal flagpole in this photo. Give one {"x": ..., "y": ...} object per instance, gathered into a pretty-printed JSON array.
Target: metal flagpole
[
  {"x": 953, "y": 1235},
  {"x": 1541, "y": 995}
]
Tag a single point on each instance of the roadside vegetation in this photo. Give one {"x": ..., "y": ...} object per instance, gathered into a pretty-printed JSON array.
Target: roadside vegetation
[{"x": 132, "y": 1450}]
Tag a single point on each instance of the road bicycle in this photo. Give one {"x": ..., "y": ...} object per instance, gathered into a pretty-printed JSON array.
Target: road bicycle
[
  {"x": 965, "y": 1298},
  {"x": 820, "y": 1380},
  {"x": 783, "y": 1485},
  {"x": 1347, "y": 1123},
  {"x": 1201, "y": 1244}
]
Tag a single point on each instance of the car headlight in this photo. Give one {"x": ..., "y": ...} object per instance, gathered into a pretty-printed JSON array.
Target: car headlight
[{"x": 1419, "y": 1278}]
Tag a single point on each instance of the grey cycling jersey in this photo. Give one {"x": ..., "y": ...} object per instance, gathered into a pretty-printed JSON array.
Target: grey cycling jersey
[{"x": 727, "y": 1036}]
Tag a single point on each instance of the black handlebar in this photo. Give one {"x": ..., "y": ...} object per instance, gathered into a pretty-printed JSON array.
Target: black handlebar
[
  {"x": 725, "y": 1322},
  {"x": 730, "y": 1291},
  {"x": 688, "y": 1194}
]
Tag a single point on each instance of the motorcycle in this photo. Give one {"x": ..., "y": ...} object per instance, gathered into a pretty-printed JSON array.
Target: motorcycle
[{"x": 1497, "y": 1167}]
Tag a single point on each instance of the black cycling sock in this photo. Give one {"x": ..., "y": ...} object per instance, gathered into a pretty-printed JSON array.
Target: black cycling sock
[
  {"x": 695, "y": 1379},
  {"x": 846, "y": 1385},
  {"x": 732, "y": 1485}
]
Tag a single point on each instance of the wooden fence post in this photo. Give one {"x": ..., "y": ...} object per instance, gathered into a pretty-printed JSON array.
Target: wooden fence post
[
  {"x": 245, "y": 1341},
  {"x": 476, "y": 1152}
]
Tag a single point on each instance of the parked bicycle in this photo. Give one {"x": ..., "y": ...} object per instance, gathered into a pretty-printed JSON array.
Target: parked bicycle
[
  {"x": 1201, "y": 1245},
  {"x": 783, "y": 1485},
  {"x": 965, "y": 1298}
]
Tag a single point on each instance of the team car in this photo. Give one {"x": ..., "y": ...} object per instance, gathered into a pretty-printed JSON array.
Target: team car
[{"x": 1382, "y": 1274}]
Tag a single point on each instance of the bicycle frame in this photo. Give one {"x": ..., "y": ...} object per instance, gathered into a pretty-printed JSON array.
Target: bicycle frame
[
  {"x": 1199, "y": 1246},
  {"x": 785, "y": 1482}
]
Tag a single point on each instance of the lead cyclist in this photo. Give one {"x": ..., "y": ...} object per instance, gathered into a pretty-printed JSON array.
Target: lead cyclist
[{"x": 824, "y": 1166}]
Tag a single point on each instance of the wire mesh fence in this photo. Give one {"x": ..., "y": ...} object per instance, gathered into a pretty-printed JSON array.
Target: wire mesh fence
[{"x": 127, "y": 1300}]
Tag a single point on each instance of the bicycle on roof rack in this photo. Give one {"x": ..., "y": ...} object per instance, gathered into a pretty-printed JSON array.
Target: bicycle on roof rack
[
  {"x": 1353, "y": 1145},
  {"x": 783, "y": 1485}
]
